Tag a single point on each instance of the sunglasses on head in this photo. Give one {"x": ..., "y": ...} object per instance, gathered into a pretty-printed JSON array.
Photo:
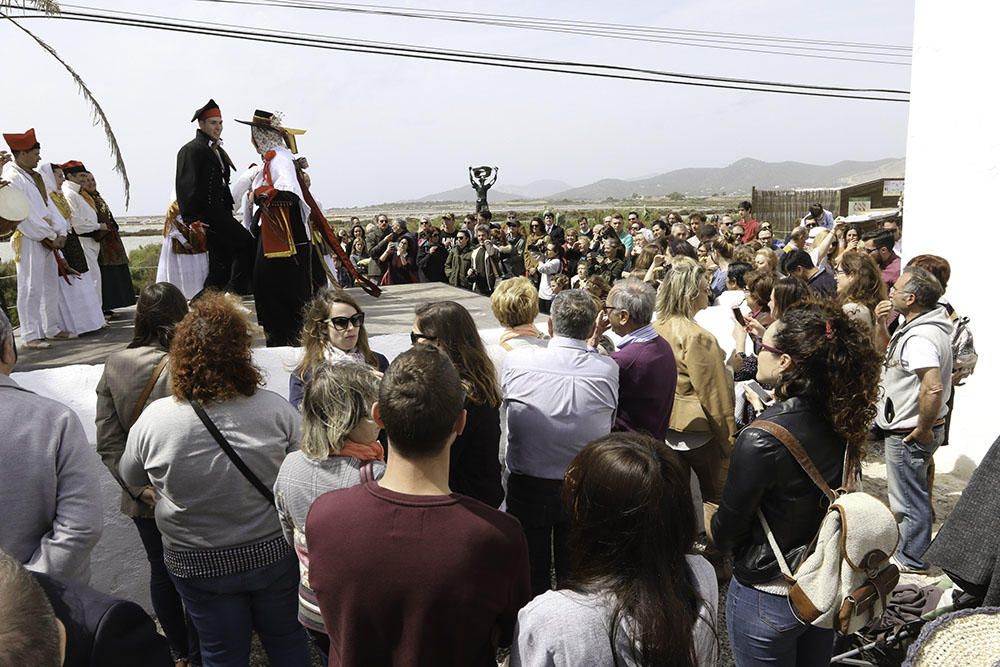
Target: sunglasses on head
[
  {"x": 417, "y": 337},
  {"x": 341, "y": 323}
]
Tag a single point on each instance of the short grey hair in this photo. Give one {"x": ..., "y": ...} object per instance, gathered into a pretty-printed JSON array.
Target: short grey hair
[
  {"x": 636, "y": 297},
  {"x": 925, "y": 288},
  {"x": 6, "y": 330},
  {"x": 30, "y": 630},
  {"x": 680, "y": 226},
  {"x": 573, "y": 314}
]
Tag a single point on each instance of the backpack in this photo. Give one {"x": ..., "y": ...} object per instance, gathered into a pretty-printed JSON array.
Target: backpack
[
  {"x": 963, "y": 348},
  {"x": 845, "y": 578}
]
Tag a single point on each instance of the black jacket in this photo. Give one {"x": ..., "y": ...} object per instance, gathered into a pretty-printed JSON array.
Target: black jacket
[
  {"x": 102, "y": 631},
  {"x": 202, "y": 182},
  {"x": 763, "y": 474},
  {"x": 475, "y": 456},
  {"x": 432, "y": 263}
]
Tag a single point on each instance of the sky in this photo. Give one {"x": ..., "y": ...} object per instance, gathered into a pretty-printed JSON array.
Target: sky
[{"x": 382, "y": 129}]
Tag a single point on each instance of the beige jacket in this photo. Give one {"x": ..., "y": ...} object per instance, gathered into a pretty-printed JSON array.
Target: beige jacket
[
  {"x": 125, "y": 376},
  {"x": 704, "y": 400}
]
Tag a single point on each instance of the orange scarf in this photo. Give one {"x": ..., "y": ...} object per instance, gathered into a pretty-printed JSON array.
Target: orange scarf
[
  {"x": 371, "y": 451},
  {"x": 520, "y": 331}
]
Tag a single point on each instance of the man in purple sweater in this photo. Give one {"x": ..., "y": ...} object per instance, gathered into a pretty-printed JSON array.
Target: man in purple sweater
[
  {"x": 647, "y": 371},
  {"x": 406, "y": 572}
]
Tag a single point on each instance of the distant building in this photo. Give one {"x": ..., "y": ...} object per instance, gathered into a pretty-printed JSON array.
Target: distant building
[{"x": 785, "y": 208}]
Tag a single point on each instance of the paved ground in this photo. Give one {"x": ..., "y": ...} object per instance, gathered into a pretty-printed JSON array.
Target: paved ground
[{"x": 390, "y": 313}]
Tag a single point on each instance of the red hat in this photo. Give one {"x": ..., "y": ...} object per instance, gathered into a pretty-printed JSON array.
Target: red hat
[
  {"x": 22, "y": 142},
  {"x": 72, "y": 167},
  {"x": 210, "y": 110}
]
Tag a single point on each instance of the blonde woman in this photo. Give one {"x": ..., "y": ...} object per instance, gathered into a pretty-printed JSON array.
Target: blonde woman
[
  {"x": 338, "y": 442},
  {"x": 333, "y": 329},
  {"x": 702, "y": 423},
  {"x": 515, "y": 305}
]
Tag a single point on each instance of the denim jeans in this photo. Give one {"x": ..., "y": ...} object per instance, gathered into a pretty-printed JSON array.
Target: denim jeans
[
  {"x": 906, "y": 466},
  {"x": 181, "y": 635},
  {"x": 763, "y": 630},
  {"x": 227, "y": 609}
]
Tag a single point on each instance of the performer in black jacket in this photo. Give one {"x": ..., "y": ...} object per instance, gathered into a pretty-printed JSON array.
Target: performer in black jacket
[{"x": 202, "y": 187}]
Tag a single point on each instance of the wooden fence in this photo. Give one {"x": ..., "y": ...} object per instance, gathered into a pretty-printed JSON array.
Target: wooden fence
[{"x": 785, "y": 208}]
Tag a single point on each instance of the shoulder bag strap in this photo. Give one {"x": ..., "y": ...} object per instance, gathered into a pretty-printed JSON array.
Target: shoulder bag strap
[
  {"x": 792, "y": 445},
  {"x": 230, "y": 452},
  {"x": 141, "y": 405},
  {"x": 778, "y": 556}
]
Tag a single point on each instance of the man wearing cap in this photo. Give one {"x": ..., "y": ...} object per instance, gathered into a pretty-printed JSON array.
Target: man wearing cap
[
  {"x": 83, "y": 219},
  {"x": 287, "y": 269},
  {"x": 36, "y": 238},
  {"x": 817, "y": 216},
  {"x": 203, "y": 195}
]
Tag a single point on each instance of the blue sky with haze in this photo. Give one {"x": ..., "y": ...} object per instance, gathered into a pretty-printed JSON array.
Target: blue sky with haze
[{"x": 385, "y": 129}]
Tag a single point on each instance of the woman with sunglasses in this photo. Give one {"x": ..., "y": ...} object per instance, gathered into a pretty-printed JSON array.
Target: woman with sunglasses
[
  {"x": 432, "y": 256},
  {"x": 334, "y": 329},
  {"x": 458, "y": 265},
  {"x": 825, "y": 371},
  {"x": 475, "y": 455}
]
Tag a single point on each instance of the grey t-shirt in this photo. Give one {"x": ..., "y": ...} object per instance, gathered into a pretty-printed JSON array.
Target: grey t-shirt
[
  {"x": 567, "y": 628},
  {"x": 204, "y": 501}
]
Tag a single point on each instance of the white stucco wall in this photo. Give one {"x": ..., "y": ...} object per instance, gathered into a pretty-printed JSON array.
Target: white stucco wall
[{"x": 952, "y": 188}]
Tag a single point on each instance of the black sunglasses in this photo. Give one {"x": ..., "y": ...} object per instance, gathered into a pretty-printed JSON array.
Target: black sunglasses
[
  {"x": 417, "y": 337},
  {"x": 340, "y": 323}
]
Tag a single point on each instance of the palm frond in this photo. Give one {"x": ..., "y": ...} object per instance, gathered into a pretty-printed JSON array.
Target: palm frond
[
  {"x": 44, "y": 6},
  {"x": 99, "y": 117}
]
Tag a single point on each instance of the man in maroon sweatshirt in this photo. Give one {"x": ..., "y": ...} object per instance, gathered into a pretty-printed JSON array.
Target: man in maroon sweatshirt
[{"x": 407, "y": 572}]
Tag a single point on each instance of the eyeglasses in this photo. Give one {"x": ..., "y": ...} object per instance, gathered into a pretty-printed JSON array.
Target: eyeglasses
[
  {"x": 417, "y": 337},
  {"x": 633, "y": 219},
  {"x": 764, "y": 346},
  {"x": 341, "y": 323}
]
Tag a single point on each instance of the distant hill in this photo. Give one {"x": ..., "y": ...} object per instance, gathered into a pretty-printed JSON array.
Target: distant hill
[
  {"x": 534, "y": 190},
  {"x": 739, "y": 178}
]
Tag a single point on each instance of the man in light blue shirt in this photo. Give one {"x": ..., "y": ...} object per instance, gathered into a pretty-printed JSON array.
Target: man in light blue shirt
[{"x": 556, "y": 400}]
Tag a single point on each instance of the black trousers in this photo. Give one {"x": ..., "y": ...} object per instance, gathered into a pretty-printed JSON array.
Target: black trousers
[
  {"x": 538, "y": 505},
  {"x": 282, "y": 286},
  {"x": 230, "y": 256}
]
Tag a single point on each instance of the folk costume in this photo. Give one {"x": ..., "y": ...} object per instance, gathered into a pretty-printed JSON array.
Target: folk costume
[
  {"x": 117, "y": 290},
  {"x": 203, "y": 195},
  {"x": 287, "y": 270},
  {"x": 37, "y": 270},
  {"x": 79, "y": 307},
  {"x": 83, "y": 220},
  {"x": 184, "y": 254}
]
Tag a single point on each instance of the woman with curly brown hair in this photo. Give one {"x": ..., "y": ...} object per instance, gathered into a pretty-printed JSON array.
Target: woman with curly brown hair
[
  {"x": 333, "y": 329},
  {"x": 222, "y": 541},
  {"x": 860, "y": 286},
  {"x": 825, "y": 371},
  {"x": 475, "y": 456}
]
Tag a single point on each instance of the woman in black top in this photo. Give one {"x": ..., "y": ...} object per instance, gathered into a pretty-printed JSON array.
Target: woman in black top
[
  {"x": 475, "y": 456},
  {"x": 825, "y": 371},
  {"x": 431, "y": 258}
]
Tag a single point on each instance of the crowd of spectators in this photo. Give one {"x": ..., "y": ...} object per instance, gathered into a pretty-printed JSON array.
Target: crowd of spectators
[{"x": 532, "y": 497}]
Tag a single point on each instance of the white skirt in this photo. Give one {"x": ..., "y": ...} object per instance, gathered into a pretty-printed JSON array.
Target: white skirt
[
  {"x": 79, "y": 307},
  {"x": 186, "y": 272}
]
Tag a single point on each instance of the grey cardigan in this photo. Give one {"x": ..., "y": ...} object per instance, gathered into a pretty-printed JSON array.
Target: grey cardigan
[{"x": 125, "y": 376}]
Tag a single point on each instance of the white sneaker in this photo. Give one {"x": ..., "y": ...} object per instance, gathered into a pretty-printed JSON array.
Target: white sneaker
[{"x": 907, "y": 569}]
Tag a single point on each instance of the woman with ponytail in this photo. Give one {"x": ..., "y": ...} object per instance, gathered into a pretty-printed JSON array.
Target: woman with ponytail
[
  {"x": 636, "y": 596},
  {"x": 825, "y": 371}
]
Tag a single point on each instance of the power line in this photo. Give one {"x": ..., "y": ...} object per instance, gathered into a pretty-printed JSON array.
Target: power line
[
  {"x": 702, "y": 39},
  {"x": 268, "y": 35}
]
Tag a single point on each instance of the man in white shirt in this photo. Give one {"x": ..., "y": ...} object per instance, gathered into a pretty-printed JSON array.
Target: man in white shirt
[
  {"x": 556, "y": 400},
  {"x": 37, "y": 271}
]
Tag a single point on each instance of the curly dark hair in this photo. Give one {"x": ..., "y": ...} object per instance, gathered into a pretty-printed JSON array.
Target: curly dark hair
[
  {"x": 210, "y": 353},
  {"x": 836, "y": 367},
  {"x": 868, "y": 288}
]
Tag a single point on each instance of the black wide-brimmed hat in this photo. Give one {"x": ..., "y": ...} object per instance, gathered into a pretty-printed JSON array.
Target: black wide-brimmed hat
[{"x": 270, "y": 121}]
